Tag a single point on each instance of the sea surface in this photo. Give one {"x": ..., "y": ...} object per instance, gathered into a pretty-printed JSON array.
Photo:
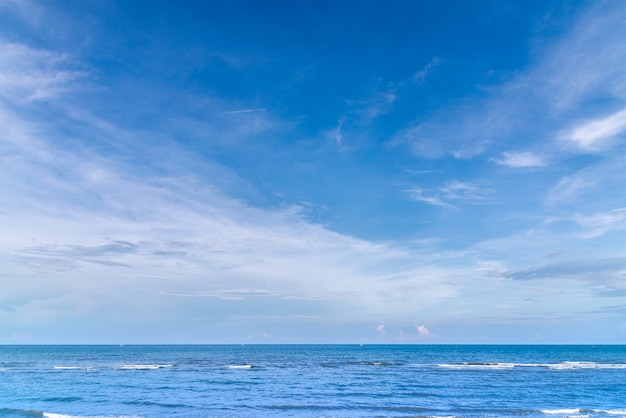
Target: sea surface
[{"x": 312, "y": 381}]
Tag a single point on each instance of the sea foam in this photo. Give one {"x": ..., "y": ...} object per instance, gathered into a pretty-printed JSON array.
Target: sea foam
[
  {"x": 239, "y": 366},
  {"x": 565, "y": 365},
  {"x": 478, "y": 366},
  {"x": 143, "y": 366}
]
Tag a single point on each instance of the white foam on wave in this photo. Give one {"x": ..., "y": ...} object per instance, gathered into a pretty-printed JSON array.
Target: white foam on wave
[
  {"x": 565, "y": 365},
  {"x": 121, "y": 367},
  {"x": 561, "y": 411},
  {"x": 143, "y": 366},
  {"x": 73, "y": 368},
  {"x": 478, "y": 366},
  {"x": 377, "y": 363},
  {"x": 239, "y": 366},
  {"x": 573, "y": 365},
  {"x": 568, "y": 365}
]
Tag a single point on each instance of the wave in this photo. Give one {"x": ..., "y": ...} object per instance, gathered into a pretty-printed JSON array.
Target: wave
[
  {"x": 119, "y": 367},
  {"x": 143, "y": 366},
  {"x": 374, "y": 363},
  {"x": 565, "y": 365},
  {"x": 378, "y": 363},
  {"x": 239, "y": 366},
  {"x": 569, "y": 365},
  {"x": 74, "y": 368},
  {"x": 478, "y": 365}
]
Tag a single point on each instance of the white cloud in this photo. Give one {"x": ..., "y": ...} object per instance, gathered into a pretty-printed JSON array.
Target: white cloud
[
  {"x": 593, "y": 135},
  {"x": 520, "y": 159},
  {"x": 569, "y": 188},
  {"x": 595, "y": 182},
  {"x": 28, "y": 74},
  {"x": 71, "y": 213},
  {"x": 458, "y": 190},
  {"x": 363, "y": 112},
  {"x": 226, "y": 294},
  {"x": 422, "y": 330},
  {"x": 567, "y": 79},
  {"x": 147, "y": 236},
  {"x": 149, "y": 232},
  {"x": 336, "y": 134},
  {"x": 437, "y": 138},
  {"x": 419, "y": 195},
  {"x": 587, "y": 63},
  {"x": 603, "y": 222},
  {"x": 450, "y": 194}
]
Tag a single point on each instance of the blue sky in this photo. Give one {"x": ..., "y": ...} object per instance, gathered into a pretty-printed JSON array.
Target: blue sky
[{"x": 312, "y": 172}]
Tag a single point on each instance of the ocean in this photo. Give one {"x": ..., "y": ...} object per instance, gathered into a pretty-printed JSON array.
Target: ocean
[{"x": 58, "y": 381}]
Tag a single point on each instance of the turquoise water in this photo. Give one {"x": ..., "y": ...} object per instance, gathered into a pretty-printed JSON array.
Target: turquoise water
[{"x": 312, "y": 381}]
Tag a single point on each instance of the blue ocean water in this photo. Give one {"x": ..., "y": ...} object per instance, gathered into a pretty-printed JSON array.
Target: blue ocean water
[{"x": 312, "y": 381}]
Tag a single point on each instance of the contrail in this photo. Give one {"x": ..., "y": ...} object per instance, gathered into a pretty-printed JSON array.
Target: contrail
[{"x": 244, "y": 111}]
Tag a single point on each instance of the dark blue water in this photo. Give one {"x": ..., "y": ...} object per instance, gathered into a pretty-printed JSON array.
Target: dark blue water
[{"x": 312, "y": 381}]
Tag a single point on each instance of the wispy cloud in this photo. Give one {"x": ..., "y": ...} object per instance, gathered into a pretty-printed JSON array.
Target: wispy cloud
[
  {"x": 458, "y": 190},
  {"x": 420, "y": 195},
  {"x": 231, "y": 112},
  {"x": 600, "y": 223},
  {"x": 585, "y": 65},
  {"x": 520, "y": 159},
  {"x": 420, "y": 76},
  {"x": 28, "y": 74},
  {"x": 556, "y": 92},
  {"x": 75, "y": 213},
  {"x": 163, "y": 213},
  {"x": 594, "y": 135},
  {"x": 590, "y": 182},
  {"x": 450, "y": 194},
  {"x": 581, "y": 269},
  {"x": 362, "y": 113},
  {"x": 336, "y": 134},
  {"x": 226, "y": 294}
]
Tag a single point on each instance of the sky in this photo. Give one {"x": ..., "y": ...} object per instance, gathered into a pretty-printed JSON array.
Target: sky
[{"x": 416, "y": 172}]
